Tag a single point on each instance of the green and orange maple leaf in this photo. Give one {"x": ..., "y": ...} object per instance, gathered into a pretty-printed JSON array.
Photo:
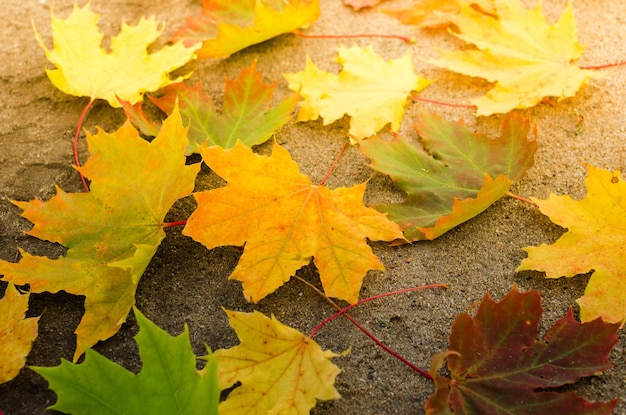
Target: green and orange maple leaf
[
  {"x": 497, "y": 365},
  {"x": 284, "y": 220},
  {"x": 16, "y": 333},
  {"x": 281, "y": 370},
  {"x": 372, "y": 91},
  {"x": 111, "y": 232},
  {"x": 528, "y": 59},
  {"x": 85, "y": 68},
  {"x": 227, "y": 26},
  {"x": 454, "y": 177},
  {"x": 246, "y": 114},
  {"x": 168, "y": 382},
  {"x": 595, "y": 240}
]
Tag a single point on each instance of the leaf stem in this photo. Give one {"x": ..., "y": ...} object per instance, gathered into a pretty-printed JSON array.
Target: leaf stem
[
  {"x": 522, "y": 198},
  {"x": 406, "y": 39},
  {"x": 604, "y": 66},
  {"x": 332, "y": 166},
  {"x": 177, "y": 223},
  {"x": 81, "y": 120},
  {"x": 363, "y": 329},
  {"x": 375, "y": 297},
  {"x": 447, "y": 104}
]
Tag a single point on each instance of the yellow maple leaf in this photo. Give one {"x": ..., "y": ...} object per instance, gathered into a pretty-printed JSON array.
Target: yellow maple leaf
[
  {"x": 595, "y": 240},
  {"x": 284, "y": 220},
  {"x": 369, "y": 89},
  {"x": 269, "y": 19},
  {"x": 281, "y": 370},
  {"x": 16, "y": 333},
  {"x": 527, "y": 58},
  {"x": 84, "y": 68}
]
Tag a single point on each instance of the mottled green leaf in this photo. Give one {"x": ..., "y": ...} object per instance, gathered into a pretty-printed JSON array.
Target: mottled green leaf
[{"x": 451, "y": 166}]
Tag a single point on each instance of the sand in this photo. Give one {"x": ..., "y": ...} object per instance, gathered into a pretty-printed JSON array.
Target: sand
[{"x": 187, "y": 284}]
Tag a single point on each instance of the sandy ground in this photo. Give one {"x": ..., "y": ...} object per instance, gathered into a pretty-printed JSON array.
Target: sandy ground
[{"x": 185, "y": 283}]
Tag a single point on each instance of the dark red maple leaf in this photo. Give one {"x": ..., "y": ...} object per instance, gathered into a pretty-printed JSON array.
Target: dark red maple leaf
[{"x": 498, "y": 366}]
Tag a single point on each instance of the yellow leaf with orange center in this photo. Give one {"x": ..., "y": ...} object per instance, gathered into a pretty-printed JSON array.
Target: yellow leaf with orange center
[{"x": 284, "y": 220}]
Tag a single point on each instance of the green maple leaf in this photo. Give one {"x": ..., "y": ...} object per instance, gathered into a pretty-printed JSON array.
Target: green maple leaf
[
  {"x": 456, "y": 176},
  {"x": 168, "y": 382},
  {"x": 111, "y": 232},
  {"x": 246, "y": 114},
  {"x": 498, "y": 366}
]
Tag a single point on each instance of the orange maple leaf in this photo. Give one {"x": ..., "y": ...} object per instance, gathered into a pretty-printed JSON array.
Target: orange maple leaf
[
  {"x": 595, "y": 240},
  {"x": 436, "y": 13},
  {"x": 284, "y": 220}
]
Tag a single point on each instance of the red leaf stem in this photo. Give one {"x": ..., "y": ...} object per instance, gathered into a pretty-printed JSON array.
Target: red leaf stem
[
  {"x": 332, "y": 166},
  {"x": 75, "y": 143},
  {"x": 406, "y": 39},
  {"x": 604, "y": 66},
  {"x": 177, "y": 223},
  {"x": 447, "y": 104}
]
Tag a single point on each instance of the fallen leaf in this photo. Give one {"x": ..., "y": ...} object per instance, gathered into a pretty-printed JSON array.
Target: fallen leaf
[
  {"x": 595, "y": 240},
  {"x": 361, "y": 4},
  {"x": 464, "y": 209},
  {"x": 168, "y": 382},
  {"x": 246, "y": 114},
  {"x": 436, "y": 13},
  {"x": 281, "y": 370},
  {"x": 227, "y": 26},
  {"x": 455, "y": 176},
  {"x": 113, "y": 231},
  {"x": 497, "y": 365},
  {"x": 16, "y": 333},
  {"x": 84, "y": 68},
  {"x": 237, "y": 12},
  {"x": 284, "y": 220},
  {"x": 372, "y": 91},
  {"x": 138, "y": 118},
  {"x": 526, "y": 58}
]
